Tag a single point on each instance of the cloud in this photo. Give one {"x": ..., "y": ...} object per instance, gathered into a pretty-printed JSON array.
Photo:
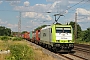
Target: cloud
[
  {"x": 88, "y": 18},
  {"x": 74, "y": 1},
  {"x": 13, "y": 2},
  {"x": 82, "y": 11},
  {"x": 83, "y": 15},
  {"x": 1, "y": 2},
  {"x": 60, "y": 6},
  {"x": 30, "y": 14},
  {"x": 57, "y": 6},
  {"x": 38, "y": 10},
  {"x": 12, "y": 25},
  {"x": 8, "y": 25},
  {"x": 2, "y": 23},
  {"x": 36, "y": 15},
  {"x": 35, "y": 8},
  {"x": 26, "y": 3},
  {"x": 52, "y": 0}
]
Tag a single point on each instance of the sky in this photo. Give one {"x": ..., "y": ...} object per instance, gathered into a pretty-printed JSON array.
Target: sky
[{"x": 34, "y": 13}]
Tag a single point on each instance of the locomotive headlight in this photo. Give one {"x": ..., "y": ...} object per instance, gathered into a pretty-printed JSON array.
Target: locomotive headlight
[
  {"x": 71, "y": 45},
  {"x": 69, "y": 41}
]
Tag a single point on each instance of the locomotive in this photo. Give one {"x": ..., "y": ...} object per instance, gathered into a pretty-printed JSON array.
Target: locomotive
[{"x": 57, "y": 37}]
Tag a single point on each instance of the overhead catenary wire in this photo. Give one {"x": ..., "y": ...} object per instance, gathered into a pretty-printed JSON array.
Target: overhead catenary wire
[
  {"x": 80, "y": 5},
  {"x": 74, "y": 5},
  {"x": 70, "y": 8},
  {"x": 83, "y": 16}
]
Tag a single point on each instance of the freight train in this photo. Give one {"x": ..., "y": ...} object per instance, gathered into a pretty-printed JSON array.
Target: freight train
[{"x": 55, "y": 37}]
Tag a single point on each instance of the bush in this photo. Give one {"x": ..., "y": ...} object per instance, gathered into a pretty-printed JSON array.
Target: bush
[
  {"x": 20, "y": 52},
  {"x": 17, "y": 39},
  {"x": 5, "y": 38}
]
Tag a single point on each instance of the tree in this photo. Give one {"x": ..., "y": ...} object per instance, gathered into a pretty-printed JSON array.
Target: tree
[
  {"x": 24, "y": 32},
  {"x": 5, "y": 31},
  {"x": 78, "y": 29},
  {"x": 86, "y": 36},
  {"x": 38, "y": 28},
  {"x": 1, "y": 30}
]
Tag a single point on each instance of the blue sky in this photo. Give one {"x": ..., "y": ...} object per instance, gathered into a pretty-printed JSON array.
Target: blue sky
[{"x": 33, "y": 13}]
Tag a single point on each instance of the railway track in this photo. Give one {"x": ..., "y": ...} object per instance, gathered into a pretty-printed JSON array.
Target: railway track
[
  {"x": 82, "y": 48},
  {"x": 83, "y": 45},
  {"x": 72, "y": 57},
  {"x": 60, "y": 56},
  {"x": 86, "y": 50}
]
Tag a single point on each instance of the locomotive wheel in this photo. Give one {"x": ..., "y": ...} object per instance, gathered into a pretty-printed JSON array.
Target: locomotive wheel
[
  {"x": 50, "y": 47},
  {"x": 55, "y": 49},
  {"x": 46, "y": 46}
]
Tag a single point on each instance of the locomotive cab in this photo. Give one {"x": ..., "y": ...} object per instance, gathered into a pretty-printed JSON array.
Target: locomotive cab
[{"x": 63, "y": 37}]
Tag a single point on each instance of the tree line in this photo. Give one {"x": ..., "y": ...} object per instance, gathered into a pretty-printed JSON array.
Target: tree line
[{"x": 82, "y": 35}]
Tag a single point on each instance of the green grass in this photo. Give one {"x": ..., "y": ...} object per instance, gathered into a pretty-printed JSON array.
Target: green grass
[
  {"x": 6, "y": 38},
  {"x": 82, "y": 42},
  {"x": 20, "y": 52}
]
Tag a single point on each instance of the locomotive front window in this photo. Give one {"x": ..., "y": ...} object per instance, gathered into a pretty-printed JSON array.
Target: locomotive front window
[
  {"x": 67, "y": 30},
  {"x": 59, "y": 30},
  {"x": 63, "y": 30}
]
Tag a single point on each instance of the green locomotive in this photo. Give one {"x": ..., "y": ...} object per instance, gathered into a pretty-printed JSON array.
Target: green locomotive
[{"x": 57, "y": 37}]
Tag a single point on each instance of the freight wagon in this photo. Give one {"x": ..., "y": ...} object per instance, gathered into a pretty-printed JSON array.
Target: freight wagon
[
  {"x": 26, "y": 35},
  {"x": 35, "y": 36}
]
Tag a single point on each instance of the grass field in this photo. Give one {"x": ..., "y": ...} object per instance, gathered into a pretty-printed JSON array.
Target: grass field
[
  {"x": 18, "y": 50},
  {"x": 22, "y": 50}
]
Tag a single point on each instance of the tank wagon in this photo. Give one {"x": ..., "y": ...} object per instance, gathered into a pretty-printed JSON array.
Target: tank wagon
[{"x": 57, "y": 37}]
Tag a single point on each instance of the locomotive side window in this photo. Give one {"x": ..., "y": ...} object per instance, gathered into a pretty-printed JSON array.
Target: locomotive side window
[{"x": 51, "y": 30}]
